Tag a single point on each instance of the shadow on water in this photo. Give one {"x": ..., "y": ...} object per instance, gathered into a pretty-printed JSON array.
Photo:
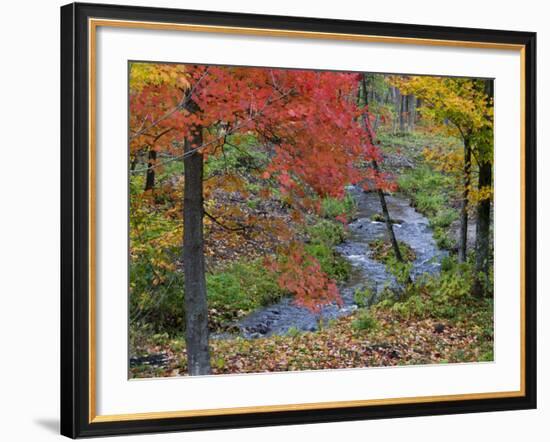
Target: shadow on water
[{"x": 414, "y": 229}]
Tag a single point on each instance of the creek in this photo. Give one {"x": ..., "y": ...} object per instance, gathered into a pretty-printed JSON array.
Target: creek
[{"x": 410, "y": 227}]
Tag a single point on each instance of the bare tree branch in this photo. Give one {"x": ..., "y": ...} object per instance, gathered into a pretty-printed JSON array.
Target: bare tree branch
[{"x": 219, "y": 223}]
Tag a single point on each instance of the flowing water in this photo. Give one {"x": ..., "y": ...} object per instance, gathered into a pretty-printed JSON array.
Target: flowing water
[{"x": 411, "y": 227}]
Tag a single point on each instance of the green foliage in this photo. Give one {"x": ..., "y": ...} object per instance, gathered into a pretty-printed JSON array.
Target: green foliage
[
  {"x": 429, "y": 203},
  {"x": 293, "y": 332},
  {"x": 486, "y": 280},
  {"x": 156, "y": 286},
  {"x": 444, "y": 218},
  {"x": 333, "y": 207},
  {"x": 332, "y": 264},
  {"x": 413, "y": 143},
  {"x": 444, "y": 296},
  {"x": 443, "y": 239},
  {"x": 440, "y": 224},
  {"x": 362, "y": 297},
  {"x": 238, "y": 154},
  {"x": 383, "y": 251},
  {"x": 376, "y": 84},
  {"x": 160, "y": 305},
  {"x": 242, "y": 286},
  {"x": 401, "y": 270},
  {"x": 487, "y": 356},
  {"x": 160, "y": 338},
  {"x": 236, "y": 290},
  {"x": 218, "y": 362},
  {"x": 326, "y": 232},
  {"x": 323, "y": 236},
  {"x": 365, "y": 321},
  {"x": 169, "y": 169},
  {"x": 431, "y": 192},
  {"x": 426, "y": 188}
]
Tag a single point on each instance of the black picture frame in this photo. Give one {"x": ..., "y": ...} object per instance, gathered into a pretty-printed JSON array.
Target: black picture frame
[{"x": 75, "y": 220}]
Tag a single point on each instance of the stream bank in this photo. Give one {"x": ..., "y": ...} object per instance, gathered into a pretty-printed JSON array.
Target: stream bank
[{"x": 413, "y": 228}]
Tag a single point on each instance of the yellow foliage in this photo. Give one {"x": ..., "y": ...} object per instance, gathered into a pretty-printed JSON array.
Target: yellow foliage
[
  {"x": 477, "y": 195},
  {"x": 460, "y": 101},
  {"x": 445, "y": 161},
  {"x": 156, "y": 74}
]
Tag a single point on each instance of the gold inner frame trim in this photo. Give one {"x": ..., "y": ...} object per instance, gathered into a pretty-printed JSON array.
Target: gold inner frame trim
[{"x": 93, "y": 24}]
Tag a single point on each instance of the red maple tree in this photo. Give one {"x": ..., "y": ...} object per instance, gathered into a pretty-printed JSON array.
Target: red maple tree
[{"x": 308, "y": 121}]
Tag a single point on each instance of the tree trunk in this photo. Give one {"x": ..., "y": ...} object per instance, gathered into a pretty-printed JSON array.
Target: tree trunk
[
  {"x": 387, "y": 219},
  {"x": 463, "y": 241},
  {"x": 389, "y": 226},
  {"x": 365, "y": 90},
  {"x": 134, "y": 162},
  {"x": 196, "y": 309},
  {"x": 396, "y": 98},
  {"x": 150, "y": 176},
  {"x": 370, "y": 95},
  {"x": 483, "y": 223},
  {"x": 411, "y": 107},
  {"x": 402, "y": 113},
  {"x": 385, "y": 212},
  {"x": 482, "y": 231}
]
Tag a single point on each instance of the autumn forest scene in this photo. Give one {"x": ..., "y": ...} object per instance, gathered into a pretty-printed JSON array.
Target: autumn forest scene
[{"x": 284, "y": 220}]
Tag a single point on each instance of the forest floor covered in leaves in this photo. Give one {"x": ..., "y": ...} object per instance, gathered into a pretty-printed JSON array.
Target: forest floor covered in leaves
[{"x": 389, "y": 341}]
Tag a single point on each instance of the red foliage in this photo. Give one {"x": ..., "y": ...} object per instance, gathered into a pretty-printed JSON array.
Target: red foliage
[
  {"x": 308, "y": 120},
  {"x": 301, "y": 275}
]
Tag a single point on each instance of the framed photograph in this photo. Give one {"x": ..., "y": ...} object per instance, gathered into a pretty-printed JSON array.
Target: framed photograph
[{"x": 274, "y": 220}]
